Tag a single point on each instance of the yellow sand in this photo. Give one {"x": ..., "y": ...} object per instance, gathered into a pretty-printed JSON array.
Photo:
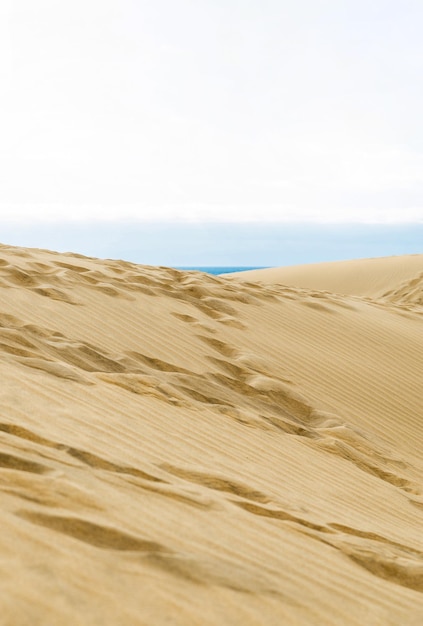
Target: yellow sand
[
  {"x": 383, "y": 278},
  {"x": 181, "y": 449}
]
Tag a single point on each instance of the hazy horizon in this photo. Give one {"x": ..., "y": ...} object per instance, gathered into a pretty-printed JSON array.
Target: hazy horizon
[{"x": 180, "y": 244}]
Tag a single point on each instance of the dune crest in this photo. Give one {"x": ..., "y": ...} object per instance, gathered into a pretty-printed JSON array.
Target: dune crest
[
  {"x": 180, "y": 448},
  {"x": 378, "y": 278}
]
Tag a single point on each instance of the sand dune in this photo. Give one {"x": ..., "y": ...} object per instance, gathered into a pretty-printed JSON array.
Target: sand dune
[
  {"x": 396, "y": 279},
  {"x": 179, "y": 448}
]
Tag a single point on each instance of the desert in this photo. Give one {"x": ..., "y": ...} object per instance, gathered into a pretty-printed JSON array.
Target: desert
[{"x": 181, "y": 448}]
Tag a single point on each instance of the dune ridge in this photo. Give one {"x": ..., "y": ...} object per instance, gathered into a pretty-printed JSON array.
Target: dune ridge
[
  {"x": 385, "y": 278},
  {"x": 181, "y": 448}
]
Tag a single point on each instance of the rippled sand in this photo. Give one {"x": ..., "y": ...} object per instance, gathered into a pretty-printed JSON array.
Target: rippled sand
[{"x": 178, "y": 448}]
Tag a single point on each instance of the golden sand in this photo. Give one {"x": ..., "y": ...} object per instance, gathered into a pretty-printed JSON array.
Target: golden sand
[{"x": 178, "y": 448}]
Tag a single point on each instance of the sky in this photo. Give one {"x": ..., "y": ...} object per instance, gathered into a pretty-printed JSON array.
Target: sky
[{"x": 119, "y": 113}]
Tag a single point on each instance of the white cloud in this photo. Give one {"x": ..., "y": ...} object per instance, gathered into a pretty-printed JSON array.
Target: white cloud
[
  {"x": 210, "y": 111},
  {"x": 206, "y": 213}
]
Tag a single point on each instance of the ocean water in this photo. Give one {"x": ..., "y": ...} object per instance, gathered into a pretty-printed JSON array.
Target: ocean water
[{"x": 221, "y": 269}]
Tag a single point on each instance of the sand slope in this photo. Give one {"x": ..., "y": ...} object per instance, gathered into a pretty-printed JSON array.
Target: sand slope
[
  {"x": 395, "y": 279},
  {"x": 178, "y": 448}
]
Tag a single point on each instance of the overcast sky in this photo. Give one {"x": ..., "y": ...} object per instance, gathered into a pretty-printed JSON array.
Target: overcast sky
[{"x": 212, "y": 110}]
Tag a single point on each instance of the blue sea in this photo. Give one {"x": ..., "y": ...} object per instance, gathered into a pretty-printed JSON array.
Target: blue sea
[{"x": 220, "y": 269}]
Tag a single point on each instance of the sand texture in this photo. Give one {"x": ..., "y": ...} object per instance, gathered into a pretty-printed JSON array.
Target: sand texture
[{"x": 183, "y": 449}]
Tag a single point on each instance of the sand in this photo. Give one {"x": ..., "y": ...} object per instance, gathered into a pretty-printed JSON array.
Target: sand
[{"x": 178, "y": 448}]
